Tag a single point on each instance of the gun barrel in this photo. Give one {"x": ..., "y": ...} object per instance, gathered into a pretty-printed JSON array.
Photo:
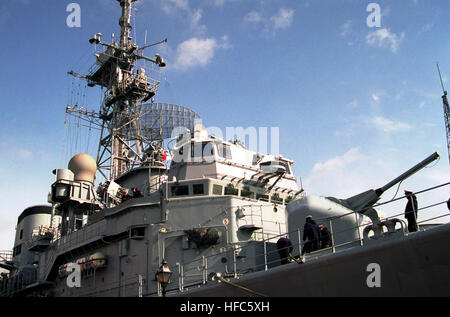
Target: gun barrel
[{"x": 408, "y": 173}]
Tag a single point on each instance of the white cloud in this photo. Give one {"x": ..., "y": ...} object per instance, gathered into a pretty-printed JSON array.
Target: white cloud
[
  {"x": 283, "y": 19},
  {"x": 195, "y": 18},
  {"x": 169, "y": 6},
  {"x": 345, "y": 28},
  {"x": 253, "y": 17},
  {"x": 338, "y": 162},
  {"x": 193, "y": 15},
  {"x": 21, "y": 153},
  {"x": 426, "y": 28},
  {"x": 353, "y": 104},
  {"x": 384, "y": 38},
  {"x": 342, "y": 176},
  {"x": 221, "y": 3},
  {"x": 388, "y": 126},
  {"x": 198, "y": 52},
  {"x": 375, "y": 97}
]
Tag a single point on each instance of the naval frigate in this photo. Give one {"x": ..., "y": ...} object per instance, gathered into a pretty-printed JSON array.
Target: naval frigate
[{"x": 210, "y": 222}]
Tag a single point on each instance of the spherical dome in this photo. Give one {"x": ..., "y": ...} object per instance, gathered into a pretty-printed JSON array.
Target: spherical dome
[{"x": 83, "y": 167}]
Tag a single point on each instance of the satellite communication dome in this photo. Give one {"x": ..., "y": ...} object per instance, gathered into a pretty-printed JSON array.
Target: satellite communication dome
[{"x": 83, "y": 167}]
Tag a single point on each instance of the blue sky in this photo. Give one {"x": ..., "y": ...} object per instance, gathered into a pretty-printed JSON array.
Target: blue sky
[{"x": 356, "y": 106}]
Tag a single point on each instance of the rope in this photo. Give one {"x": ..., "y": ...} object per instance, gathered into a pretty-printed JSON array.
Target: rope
[
  {"x": 245, "y": 289},
  {"x": 398, "y": 188}
]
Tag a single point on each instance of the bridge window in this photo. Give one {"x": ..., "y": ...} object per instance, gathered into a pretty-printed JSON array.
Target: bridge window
[
  {"x": 224, "y": 151},
  {"x": 217, "y": 189},
  {"x": 230, "y": 190},
  {"x": 204, "y": 149},
  {"x": 288, "y": 200},
  {"x": 277, "y": 199},
  {"x": 198, "y": 189},
  {"x": 262, "y": 197},
  {"x": 245, "y": 192},
  {"x": 180, "y": 190}
]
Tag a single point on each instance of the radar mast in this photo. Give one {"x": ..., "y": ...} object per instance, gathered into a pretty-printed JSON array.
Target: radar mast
[{"x": 122, "y": 145}]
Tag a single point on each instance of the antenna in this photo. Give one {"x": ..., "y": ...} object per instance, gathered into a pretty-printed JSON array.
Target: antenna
[
  {"x": 446, "y": 112},
  {"x": 440, "y": 77}
]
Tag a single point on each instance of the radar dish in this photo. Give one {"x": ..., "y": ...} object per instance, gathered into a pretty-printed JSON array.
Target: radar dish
[{"x": 158, "y": 120}]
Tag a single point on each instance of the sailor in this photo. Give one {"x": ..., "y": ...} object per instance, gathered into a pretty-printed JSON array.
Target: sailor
[
  {"x": 311, "y": 234},
  {"x": 284, "y": 247},
  {"x": 126, "y": 197},
  {"x": 411, "y": 211},
  {"x": 141, "y": 78},
  {"x": 325, "y": 240},
  {"x": 136, "y": 193}
]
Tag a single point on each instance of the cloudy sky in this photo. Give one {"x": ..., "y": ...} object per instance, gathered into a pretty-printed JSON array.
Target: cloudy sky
[{"x": 356, "y": 104}]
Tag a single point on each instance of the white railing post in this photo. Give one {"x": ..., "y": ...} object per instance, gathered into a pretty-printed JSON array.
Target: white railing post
[
  {"x": 357, "y": 228},
  {"x": 180, "y": 277},
  {"x": 299, "y": 242},
  {"x": 205, "y": 270},
  {"x": 332, "y": 236},
  {"x": 234, "y": 262},
  {"x": 140, "y": 285},
  {"x": 265, "y": 253},
  {"x": 262, "y": 218}
]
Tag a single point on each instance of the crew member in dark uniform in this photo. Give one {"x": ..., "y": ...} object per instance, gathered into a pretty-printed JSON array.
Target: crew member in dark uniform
[
  {"x": 311, "y": 235},
  {"x": 136, "y": 193},
  {"x": 411, "y": 211},
  {"x": 284, "y": 247},
  {"x": 325, "y": 240}
]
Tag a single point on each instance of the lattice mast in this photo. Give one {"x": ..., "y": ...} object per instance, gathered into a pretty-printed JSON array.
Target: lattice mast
[
  {"x": 446, "y": 112},
  {"x": 122, "y": 145}
]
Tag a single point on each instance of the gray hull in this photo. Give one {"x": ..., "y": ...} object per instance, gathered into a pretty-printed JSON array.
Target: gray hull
[{"x": 414, "y": 265}]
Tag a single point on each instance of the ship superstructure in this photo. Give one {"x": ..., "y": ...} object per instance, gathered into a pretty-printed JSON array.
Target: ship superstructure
[{"x": 215, "y": 213}]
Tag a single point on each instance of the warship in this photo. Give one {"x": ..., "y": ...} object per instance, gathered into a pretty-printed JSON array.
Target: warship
[{"x": 210, "y": 223}]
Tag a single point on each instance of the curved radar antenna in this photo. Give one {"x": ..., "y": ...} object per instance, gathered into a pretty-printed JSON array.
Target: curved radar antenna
[{"x": 159, "y": 120}]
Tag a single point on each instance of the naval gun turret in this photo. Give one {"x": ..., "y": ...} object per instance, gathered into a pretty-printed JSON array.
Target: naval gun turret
[
  {"x": 347, "y": 217},
  {"x": 363, "y": 202}
]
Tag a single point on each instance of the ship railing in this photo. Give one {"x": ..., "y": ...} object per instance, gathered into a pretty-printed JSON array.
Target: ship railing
[
  {"x": 132, "y": 286},
  {"x": 69, "y": 241},
  {"x": 10, "y": 286},
  {"x": 75, "y": 238},
  {"x": 133, "y": 80},
  {"x": 6, "y": 256},
  {"x": 193, "y": 273}
]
